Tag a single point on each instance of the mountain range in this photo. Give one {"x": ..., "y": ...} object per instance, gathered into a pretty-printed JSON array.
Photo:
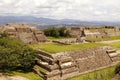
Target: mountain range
[{"x": 47, "y": 22}]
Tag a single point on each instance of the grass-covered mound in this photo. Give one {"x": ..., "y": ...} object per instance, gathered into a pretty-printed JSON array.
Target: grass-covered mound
[{"x": 55, "y": 48}]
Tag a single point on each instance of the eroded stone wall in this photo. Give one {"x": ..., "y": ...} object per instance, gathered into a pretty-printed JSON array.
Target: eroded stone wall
[
  {"x": 64, "y": 65},
  {"x": 95, "y": 32}
]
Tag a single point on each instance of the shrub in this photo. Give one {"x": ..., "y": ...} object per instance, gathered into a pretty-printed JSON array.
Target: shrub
[
  {"x": 57, "y": 32},
  {"x": 15, "y": 54}
]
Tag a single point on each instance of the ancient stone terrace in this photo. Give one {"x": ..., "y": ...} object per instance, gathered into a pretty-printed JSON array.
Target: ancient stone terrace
[
  {"x": 64, "y": 65},
  {"x": 28, "y": 34},
  {"x": 95, "y": 32}
]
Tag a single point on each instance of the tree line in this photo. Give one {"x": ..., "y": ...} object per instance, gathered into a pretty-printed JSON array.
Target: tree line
[{"x": 57, "y": 32}]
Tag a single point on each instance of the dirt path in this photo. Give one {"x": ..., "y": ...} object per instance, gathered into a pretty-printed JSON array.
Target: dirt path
[
  {"x": 12, "y": 78},
  {"x": 108, "y": 42}
]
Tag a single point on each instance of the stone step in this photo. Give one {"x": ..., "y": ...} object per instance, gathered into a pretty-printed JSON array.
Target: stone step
[
  {"x": 40, "y": 71},
  {"x": 111, "y": 51},
  {"x": 65, "y": 60},
  {"x": 54, "y": 67},
  {"x": 45, "y": 58},
  {"x": 43, "y": 53},
  {"x": 47, "y": 66},
  {"x": 67, "y": 65},
  {"x": 115, "y": 59},
  {"x": 53, "y": 73},
  {"x": 114, "y": 54}
]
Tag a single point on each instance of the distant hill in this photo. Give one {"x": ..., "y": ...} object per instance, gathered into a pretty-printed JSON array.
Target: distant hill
[{"x": 46, "y": 22}]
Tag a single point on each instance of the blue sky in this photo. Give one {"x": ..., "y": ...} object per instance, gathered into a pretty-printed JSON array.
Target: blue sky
[{"x": 97, "y": 10}]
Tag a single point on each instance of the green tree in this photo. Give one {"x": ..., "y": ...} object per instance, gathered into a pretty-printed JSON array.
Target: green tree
[
  {"x": 55, "y": 32},
  {"x": 15, "y": 54},
  {"x": 62, "y": 31},
  {"x": 48, "y": 31},
  {"x": 67, "y": 33}
]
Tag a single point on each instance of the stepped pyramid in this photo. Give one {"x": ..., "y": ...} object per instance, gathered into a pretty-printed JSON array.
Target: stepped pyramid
[
  {"x": 64, "y": 65},
  {"x": 26, "y": 33}
]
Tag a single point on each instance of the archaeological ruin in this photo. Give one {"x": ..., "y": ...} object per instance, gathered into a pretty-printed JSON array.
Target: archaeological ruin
[
  {"x": 89, "y": 34},
  {"x": 94, "y": 32},
  {"x": 64, "y": 65},
  {"x": 26, "y": 33}
]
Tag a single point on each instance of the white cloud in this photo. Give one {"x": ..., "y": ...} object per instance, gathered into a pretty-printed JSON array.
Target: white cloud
[{"x": 106, "y": 10}]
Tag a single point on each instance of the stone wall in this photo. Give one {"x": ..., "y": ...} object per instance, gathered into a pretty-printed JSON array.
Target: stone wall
[
  {"x": 95, "y": 32},
  {"x": 64, "y": 65},
  {"x": 74, "y": 32},
  {"x": 26, "y": 33},
  {"x": 65, "y": 41}
]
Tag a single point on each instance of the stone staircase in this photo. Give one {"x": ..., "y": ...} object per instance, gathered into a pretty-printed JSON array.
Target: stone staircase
[
  {"x": 64, "y": 65},
  {"x": 114, "y": 54},
  {"x": 55, "y": 67}
]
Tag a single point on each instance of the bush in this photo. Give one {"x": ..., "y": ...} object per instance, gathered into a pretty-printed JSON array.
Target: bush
[
  {"x": 57, "y": 32},
  {"x": 14, "y": 54}
]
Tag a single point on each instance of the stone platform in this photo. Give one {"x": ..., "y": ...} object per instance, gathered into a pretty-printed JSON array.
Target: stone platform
[
  {"x": 26, "y": 33},
  {"x": 64, "y": 65}
]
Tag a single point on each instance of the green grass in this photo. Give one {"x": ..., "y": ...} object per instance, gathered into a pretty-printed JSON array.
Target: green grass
[
  {"x": 105, "y": 39},
  {"x": 54, "y": 48},
  {"x": 28, "y": 75},
  {"x": 103, "y": 74},
  {"x": 115, "y": 45},
  {"x": 115, "y": 37}
]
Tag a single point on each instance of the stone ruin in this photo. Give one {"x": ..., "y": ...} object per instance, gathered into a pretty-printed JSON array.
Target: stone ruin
[
  {"x": 64, "y": 65},
  {"x": 26, "y": 33},
  {"x": 65, "y": 41},
  {"x": 94, "y": 32}
]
